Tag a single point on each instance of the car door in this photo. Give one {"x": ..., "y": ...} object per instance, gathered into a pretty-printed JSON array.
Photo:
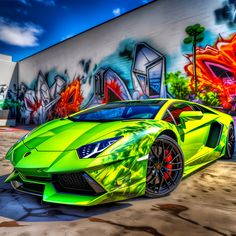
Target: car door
[{"x": 193, "y": 134}]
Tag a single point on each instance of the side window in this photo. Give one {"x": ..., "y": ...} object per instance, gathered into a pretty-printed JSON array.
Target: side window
[
  {"x": 168, "y": 118},
  {"x": 177, "y": 108},
  {"x": 196, "y": 108},
  {"x": 202, "y": 109}
]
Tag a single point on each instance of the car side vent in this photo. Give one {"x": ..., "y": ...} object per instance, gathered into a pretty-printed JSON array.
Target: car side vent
[{"x": 214, "y": 135}]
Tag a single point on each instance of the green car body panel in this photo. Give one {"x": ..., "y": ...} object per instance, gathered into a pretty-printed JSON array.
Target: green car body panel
[{"x": 120, "y": 170}]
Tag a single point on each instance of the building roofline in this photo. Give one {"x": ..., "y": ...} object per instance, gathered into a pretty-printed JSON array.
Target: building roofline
[{"x": 85, "y": 31}]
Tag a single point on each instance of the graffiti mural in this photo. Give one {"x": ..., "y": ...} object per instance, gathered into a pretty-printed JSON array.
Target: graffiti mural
[
  {"x": 147, "y": 69},
  {"x": 3, "y": 95},
  {"x": 136, "y": 71},
  {"x": 70, "y": 99},
  {"x": 108, "y": 86},
  {"x": 37, "y": 103},
  {"x": 8, "y": 99},
  {"x": 216, "y": 70},
  {"x": 3, "y": 91},
  {"x": 227, "y": 13},
  {"x": 179, "y": 57},
  {"x": 54, "y": 95}
]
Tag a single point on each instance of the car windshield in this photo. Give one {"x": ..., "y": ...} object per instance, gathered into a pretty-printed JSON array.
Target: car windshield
[{"x": 121, "y": 111}]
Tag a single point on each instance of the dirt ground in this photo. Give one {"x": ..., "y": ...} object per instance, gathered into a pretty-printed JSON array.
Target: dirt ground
[{"x": 203, "y": 204}]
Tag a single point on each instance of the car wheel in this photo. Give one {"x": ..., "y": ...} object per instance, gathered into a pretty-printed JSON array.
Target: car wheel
[
  {"x": 230, "y": 143},
  {"x": 165, "y": 167}
]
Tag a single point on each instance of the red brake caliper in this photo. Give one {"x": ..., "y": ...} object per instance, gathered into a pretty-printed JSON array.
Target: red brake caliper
[{"x": 168, "y": 165}]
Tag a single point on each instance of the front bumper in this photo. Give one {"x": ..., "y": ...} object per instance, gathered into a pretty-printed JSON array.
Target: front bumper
[
  {"x": 115, "y": 181},
  {"x": 53, "y": 191},
  {"x": 116, "y": 174}
]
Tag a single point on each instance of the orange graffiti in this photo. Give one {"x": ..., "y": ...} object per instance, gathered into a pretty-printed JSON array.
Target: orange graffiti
[
  {"x": 114, "y": 87},
  {"x": 70, "y": 100},
  {"x": 216, "y": 69}
]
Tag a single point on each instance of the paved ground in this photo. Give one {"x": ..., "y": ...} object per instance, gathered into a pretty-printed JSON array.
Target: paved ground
[{"x": 203, "y": 204}]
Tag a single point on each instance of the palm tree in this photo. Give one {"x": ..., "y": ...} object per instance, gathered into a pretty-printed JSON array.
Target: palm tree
[{"x": 195, "y": 35}]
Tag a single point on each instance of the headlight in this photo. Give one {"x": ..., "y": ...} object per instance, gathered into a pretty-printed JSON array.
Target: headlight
[
  {"x": 24, "y": 137},
  {"x": 93, "y": 149},
  {"x": 19, "y": 140}
]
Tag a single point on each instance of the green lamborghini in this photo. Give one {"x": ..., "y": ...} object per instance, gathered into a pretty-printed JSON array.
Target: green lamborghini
[{"x": 119, "y": 150}]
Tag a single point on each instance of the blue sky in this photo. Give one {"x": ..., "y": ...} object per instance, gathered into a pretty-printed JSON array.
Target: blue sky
[{"x": 28, "y": 26}]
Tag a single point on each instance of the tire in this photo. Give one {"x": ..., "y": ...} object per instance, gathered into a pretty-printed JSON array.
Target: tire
[
  {"x": 165, "y": 167},
  {"x": 230, "y": 143}
]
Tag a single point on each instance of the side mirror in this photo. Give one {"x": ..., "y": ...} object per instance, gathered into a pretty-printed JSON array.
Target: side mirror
[{"x": 189, "y": 115}]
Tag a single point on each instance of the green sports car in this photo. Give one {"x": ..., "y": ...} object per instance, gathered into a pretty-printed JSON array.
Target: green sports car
[{"x": 119, "y": 150}]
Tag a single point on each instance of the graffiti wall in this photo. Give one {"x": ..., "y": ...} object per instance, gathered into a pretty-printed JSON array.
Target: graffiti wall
[
  {"x": 8, "y": 89},
  {"x": 55, "y": 94},
  {"x": 215, "y": 67},
  {"x": 171, "y": 48}
]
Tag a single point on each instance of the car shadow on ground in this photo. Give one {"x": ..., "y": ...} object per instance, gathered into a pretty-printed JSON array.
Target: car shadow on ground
[{"x": 24, "y": 207}]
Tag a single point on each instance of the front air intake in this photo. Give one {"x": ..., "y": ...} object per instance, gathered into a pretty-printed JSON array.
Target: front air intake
[{"x": 78, "y": 183}]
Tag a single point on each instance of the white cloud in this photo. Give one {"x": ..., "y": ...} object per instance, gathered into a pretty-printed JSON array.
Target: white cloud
[
  {"x": 45, "y": 2},
  {"x": 24, "y": 35},
  {"x": 116, "y": 11}
]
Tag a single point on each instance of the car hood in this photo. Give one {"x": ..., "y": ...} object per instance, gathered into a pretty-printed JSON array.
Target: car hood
[{"x": 65, "y": 135}]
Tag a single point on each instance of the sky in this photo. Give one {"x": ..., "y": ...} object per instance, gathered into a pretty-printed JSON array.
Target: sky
[{"x": 29, "y": 26}]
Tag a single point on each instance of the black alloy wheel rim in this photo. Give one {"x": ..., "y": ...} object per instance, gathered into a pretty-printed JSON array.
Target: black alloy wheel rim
[{"x": 165, "y": 167}]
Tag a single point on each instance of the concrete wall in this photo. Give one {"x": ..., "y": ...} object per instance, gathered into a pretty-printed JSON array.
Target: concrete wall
[
  {"x": 133, "y": 57},
  {"x": 8, "y": 81}
]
